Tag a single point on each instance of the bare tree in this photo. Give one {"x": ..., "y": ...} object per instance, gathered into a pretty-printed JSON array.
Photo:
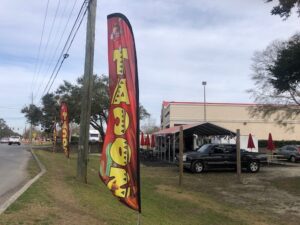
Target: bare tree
[{"x": 276, "y": 77}]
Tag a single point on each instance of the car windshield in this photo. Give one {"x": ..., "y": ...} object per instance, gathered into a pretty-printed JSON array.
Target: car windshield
[{"x": 203, "y": 148}]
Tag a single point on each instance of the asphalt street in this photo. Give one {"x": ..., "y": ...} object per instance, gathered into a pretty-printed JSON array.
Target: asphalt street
[{"x": 13, "y": 162}]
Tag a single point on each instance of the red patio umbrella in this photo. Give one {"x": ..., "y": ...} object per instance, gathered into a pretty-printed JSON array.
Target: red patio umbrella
[
  {"x": 142, "y": 139},
  {"x": 147, "y": 141},
  {"x": 250, "y": 142},
  {"x": 152, "y": 141},
  {"x": 271, "y": 145}
]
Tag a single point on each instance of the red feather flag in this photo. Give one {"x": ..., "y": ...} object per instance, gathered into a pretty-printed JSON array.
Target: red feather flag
[
  {"x": 271, "y": 145},
  {"x": 147, "y": 142},
  {"x": 119, "y": 162},
  {"x": 64, "y": 117},
  {"x": 250, "y": 142}
]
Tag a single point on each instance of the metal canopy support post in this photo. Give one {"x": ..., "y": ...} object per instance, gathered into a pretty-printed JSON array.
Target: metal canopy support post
[
  {"x": 161, "y": 141},
  {"x": 181, "y": 146},
  {"x": 169, "y": 158},
  {"x": 238, "y": 154},
  {"x": 165, "y": 149},
  {"x": 158, "y": 146},
  {"x": 174, "y": 147}
]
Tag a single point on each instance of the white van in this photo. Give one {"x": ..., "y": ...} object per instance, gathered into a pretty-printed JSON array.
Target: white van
[{"x": 94, "y": 136}]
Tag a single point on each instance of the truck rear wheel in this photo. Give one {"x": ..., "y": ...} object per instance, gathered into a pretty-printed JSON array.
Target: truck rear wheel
[
  {"x": 253, "y": 166},
  {"x": 293, "y": 159}
]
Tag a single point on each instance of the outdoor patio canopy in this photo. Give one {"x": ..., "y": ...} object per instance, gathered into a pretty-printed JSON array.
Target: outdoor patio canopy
[{"x": 200, "y": 129}]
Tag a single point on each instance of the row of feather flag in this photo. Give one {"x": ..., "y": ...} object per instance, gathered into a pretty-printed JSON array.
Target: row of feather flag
[
  {"x": 270, "y": 143},
  {"x": 146, "y": 141}
]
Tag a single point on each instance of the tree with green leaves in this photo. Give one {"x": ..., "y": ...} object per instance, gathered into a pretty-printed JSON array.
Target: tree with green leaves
[
  {"x": 277, "y": 80},
  {"x": 5, "y": 131},
  {"x": 50, "y": 109},
  {"x": 33, "y": 114},
  {"x": 284, "y": 7},
  {"x": 71, "y": 94}
]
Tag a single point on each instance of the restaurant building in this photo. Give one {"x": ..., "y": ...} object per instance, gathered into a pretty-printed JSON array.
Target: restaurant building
[{"x": 231, "y": 116}]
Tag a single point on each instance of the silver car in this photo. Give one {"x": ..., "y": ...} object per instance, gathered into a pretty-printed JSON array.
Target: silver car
[{"x": 289, "y": 152}]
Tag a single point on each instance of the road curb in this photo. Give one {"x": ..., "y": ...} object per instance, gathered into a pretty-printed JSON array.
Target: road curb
[{"x": 13, "y": 198}]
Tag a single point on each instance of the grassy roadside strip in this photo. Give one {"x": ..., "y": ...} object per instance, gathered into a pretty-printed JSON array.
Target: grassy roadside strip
[
  {"x": 57, "y": 198},
  {"x": 32, "y": 168}
]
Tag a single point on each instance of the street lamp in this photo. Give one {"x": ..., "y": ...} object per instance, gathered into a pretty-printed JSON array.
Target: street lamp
[{"x": 204, "y": 84}]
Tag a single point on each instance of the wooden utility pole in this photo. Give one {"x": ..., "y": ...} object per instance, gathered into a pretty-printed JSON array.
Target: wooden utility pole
[
  {"x": 180, "y": 155},
  {"x": 86, "y": 94},
  {"x": 30, "y": 134},
  {"x": 238, "y": 154}
]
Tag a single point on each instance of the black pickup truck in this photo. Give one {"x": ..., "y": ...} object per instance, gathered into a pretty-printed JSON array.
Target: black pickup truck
[{"x": 221, "y": 156}]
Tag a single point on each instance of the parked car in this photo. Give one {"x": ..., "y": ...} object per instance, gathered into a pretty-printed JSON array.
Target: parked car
[
  {"x": 4, "y": 140},
  {"x": 221, "y": 156},
  {"x": 14, "y": 140},
  {"x": 94, "y": 136},
  {"x": 289, "y": 152}
]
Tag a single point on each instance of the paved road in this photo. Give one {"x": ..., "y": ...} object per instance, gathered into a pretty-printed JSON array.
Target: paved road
[{"x": 13, "y": 162}]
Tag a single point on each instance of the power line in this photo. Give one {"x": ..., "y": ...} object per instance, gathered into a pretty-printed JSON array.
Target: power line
[
  {"x": 40, "y": 44},
  {"x": 56, "y": 49},
  {"x": 49, "y": 57},
  {"x": 49, "y": 37},
  {"x": 63, "y": 52},
  {"x": 66, "y": 54}
]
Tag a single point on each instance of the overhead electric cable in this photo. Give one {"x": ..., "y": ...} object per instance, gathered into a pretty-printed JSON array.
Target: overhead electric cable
[
  {"x": 56, "y": 49},
  {"x": 49, "y": 37},
  {"x": 66, "y": 54},
  {"x": 40, "y": 44},
  {"x": 63, "y": 52}
]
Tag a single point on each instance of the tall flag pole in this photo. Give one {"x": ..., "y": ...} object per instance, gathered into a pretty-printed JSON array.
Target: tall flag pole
[
  {"x": 119, "y": 162},
  {"x": 64, "y": 117}
]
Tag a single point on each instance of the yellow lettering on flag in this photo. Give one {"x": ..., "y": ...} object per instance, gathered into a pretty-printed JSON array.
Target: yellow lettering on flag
[
  {"x": 119, "y": 56},
  {"x": 65, "y": 114},
  {"x": 122, "y": 121},
  {"x": 120, "y": 151},
  {"x": 120, "y": 93},
  {"x": 119, "y": 178}
]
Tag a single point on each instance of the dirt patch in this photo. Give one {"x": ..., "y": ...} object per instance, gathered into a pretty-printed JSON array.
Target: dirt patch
[
  {"x": 257, "y": 194},
  {"x": 259, "y": 191},
  {"x": 175, "y": 193}
]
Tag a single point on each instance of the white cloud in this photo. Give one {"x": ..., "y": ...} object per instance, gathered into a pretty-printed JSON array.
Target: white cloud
[{"x": 179, "y": 44}]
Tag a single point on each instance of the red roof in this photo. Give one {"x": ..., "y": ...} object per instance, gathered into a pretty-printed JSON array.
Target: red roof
[{"x": 167, "y": 103}]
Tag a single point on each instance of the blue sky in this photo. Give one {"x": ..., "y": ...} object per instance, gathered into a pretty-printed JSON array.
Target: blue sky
[{"x": 179, "y": 44}]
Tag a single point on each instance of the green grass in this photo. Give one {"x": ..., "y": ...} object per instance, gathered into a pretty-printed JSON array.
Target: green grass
[
  {"x": 58, "y": 198},
  {"x": 32, "y": 168}
]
